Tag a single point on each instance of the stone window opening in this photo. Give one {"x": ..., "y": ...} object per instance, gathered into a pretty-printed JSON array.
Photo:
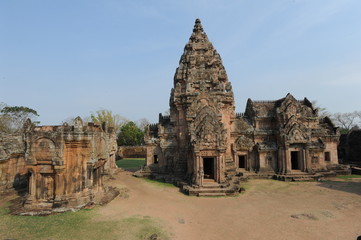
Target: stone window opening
[{"x": 327, "y": 157}]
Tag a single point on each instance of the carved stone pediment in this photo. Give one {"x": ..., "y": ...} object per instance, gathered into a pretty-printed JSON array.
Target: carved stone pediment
[
  {"x": 244, "y": 143},
  {"x": 297, "y": 133},
  {"x": 207, "y": 131}
]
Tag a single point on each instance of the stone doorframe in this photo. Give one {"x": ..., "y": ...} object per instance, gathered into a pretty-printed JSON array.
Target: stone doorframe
[
  {"x": 247, "y": 164},
  {"x": 302, "y": 157},
  {"x": 219, "y": 165}
]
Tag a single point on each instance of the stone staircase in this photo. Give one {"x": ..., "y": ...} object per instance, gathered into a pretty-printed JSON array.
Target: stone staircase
[
  {"x": 209, "y": 187},
  {"x": 231, "y": 170},
  {"x": 212, "y": 188}
]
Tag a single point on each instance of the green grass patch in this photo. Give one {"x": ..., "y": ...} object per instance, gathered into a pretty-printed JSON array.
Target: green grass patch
[
  {"x": 131, "y": 163},
  {"x": 349, "y": 176},
  {"x": 78, "y": 225},
  {"x": 158, "y": 183},
  {"x": 246, "y": 186}
]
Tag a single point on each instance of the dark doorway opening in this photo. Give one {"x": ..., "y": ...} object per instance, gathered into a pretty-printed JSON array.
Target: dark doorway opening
[
  {"x": 242, "y": 161},
  {"x": 155, "y": 159},
  {"x": 295, "y": 160},
  {"x": 208, "y": 168},
  {"x": 327, "y": 157}
]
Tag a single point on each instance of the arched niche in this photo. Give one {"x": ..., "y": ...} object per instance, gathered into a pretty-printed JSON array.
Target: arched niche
[{"x": 43, "y": 149}]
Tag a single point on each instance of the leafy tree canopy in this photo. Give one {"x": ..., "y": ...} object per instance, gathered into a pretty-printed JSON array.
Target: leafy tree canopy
[
  {"x": 113, "y": 120},
  {"x": 130, "y": 135},
  {"x": 13, "y": 118}
]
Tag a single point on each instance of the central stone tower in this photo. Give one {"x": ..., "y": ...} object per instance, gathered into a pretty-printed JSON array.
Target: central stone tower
[{"x": 194, "y": 142}]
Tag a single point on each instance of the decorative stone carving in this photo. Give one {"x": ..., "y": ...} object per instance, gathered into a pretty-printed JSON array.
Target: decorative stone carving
[
  {"x": 197, "y": 128},
  {"x": 244, "y": 143},
  {"x": 206, "y": 135},
  {"x": 66, "y": 164}
]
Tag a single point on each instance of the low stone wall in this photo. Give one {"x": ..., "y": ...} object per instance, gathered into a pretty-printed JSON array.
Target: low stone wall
[{"x": 132, "y": 151}]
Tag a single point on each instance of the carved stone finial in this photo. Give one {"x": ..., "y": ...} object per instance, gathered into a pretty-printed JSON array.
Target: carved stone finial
[
  {"x": 78, "y": 123},
  {"x": 198, "y": 28}
]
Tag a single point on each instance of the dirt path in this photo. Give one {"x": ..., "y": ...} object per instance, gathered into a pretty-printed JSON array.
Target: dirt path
[{"x": 268, "y": 210}]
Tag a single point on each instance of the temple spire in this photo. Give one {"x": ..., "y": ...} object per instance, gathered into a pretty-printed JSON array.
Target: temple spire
[
  {"x": 198, "y": 34},
  {"x": 198, "y": 28}
]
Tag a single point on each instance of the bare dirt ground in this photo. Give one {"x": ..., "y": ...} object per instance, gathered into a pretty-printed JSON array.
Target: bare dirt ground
[{"x": 268, "y": 209}]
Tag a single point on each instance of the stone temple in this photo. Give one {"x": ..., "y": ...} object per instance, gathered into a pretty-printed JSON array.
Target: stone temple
[
  {"x": 205, "y": 147},
  {"x": 61, "y": 167}
]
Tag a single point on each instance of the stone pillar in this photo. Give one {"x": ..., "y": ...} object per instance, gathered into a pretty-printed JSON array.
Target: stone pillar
[
  {"x": 308, "y": 160},
  {"x": 32, "y": 187},
  {"x": 304, "y": 160},
  {"x": 38, "y": 186},
  {"x": 287, "y": 162},
  {"x": 199, "y": 170},
  {"x": 218, "y": 168},
  {"x": 89, "y": 177},
  {"x": 280, "y": 160},
  {"x": 59, "y": 186}
]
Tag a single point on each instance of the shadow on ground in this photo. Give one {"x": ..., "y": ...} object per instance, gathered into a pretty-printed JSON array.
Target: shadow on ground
[{"x": 346, "y": 186}]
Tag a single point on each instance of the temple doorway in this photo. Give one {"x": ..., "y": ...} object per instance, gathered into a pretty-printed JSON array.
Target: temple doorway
[
  {"x": 295, "y": 160},
  {"x": 241, "y": 161},
  {"x": 208, "y": 168}
]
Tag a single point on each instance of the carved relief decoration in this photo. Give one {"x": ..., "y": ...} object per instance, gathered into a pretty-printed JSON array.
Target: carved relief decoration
[
  {"x": 207, "y": 131},
  {"x": 244, "y": 143},
  {"x": 290, "y": 115}
]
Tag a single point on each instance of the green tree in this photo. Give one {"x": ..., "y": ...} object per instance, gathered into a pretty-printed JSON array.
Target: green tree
[
  {"x": 12, "y": 119},
  {"x": 113, "y": 120},
  {"x": 130, "y": 135}
]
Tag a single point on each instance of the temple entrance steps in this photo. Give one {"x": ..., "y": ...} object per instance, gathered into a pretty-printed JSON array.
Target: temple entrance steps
[
  {"x": 231, "y": 169},
  {"x": 230, "y": 173},
  {"x": 212, "y": 188}
]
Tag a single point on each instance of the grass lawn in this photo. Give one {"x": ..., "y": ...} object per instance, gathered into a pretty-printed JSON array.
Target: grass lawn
[
  {"x": 349, "y": 176},
  {"x": 158, "y": 183},
  {"x": 131, "y": 163},
  {"x": 78, "y": 225}
]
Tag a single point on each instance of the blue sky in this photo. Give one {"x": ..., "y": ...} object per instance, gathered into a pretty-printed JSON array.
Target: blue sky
[{"x": 68, "y": 58}]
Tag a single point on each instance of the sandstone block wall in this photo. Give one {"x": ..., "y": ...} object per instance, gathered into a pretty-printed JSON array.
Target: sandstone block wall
[
  {"x": 13, "y": 173},
  {"x": 132, "y": 152},
  {"x": 66, "y": 163}
]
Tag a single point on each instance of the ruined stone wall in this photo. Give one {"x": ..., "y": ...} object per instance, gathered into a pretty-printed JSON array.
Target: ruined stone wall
[
  {"x": 66, "y": 163},
  {"x": 13, "y": 173},
  {"x": 132, "y": 152}
]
